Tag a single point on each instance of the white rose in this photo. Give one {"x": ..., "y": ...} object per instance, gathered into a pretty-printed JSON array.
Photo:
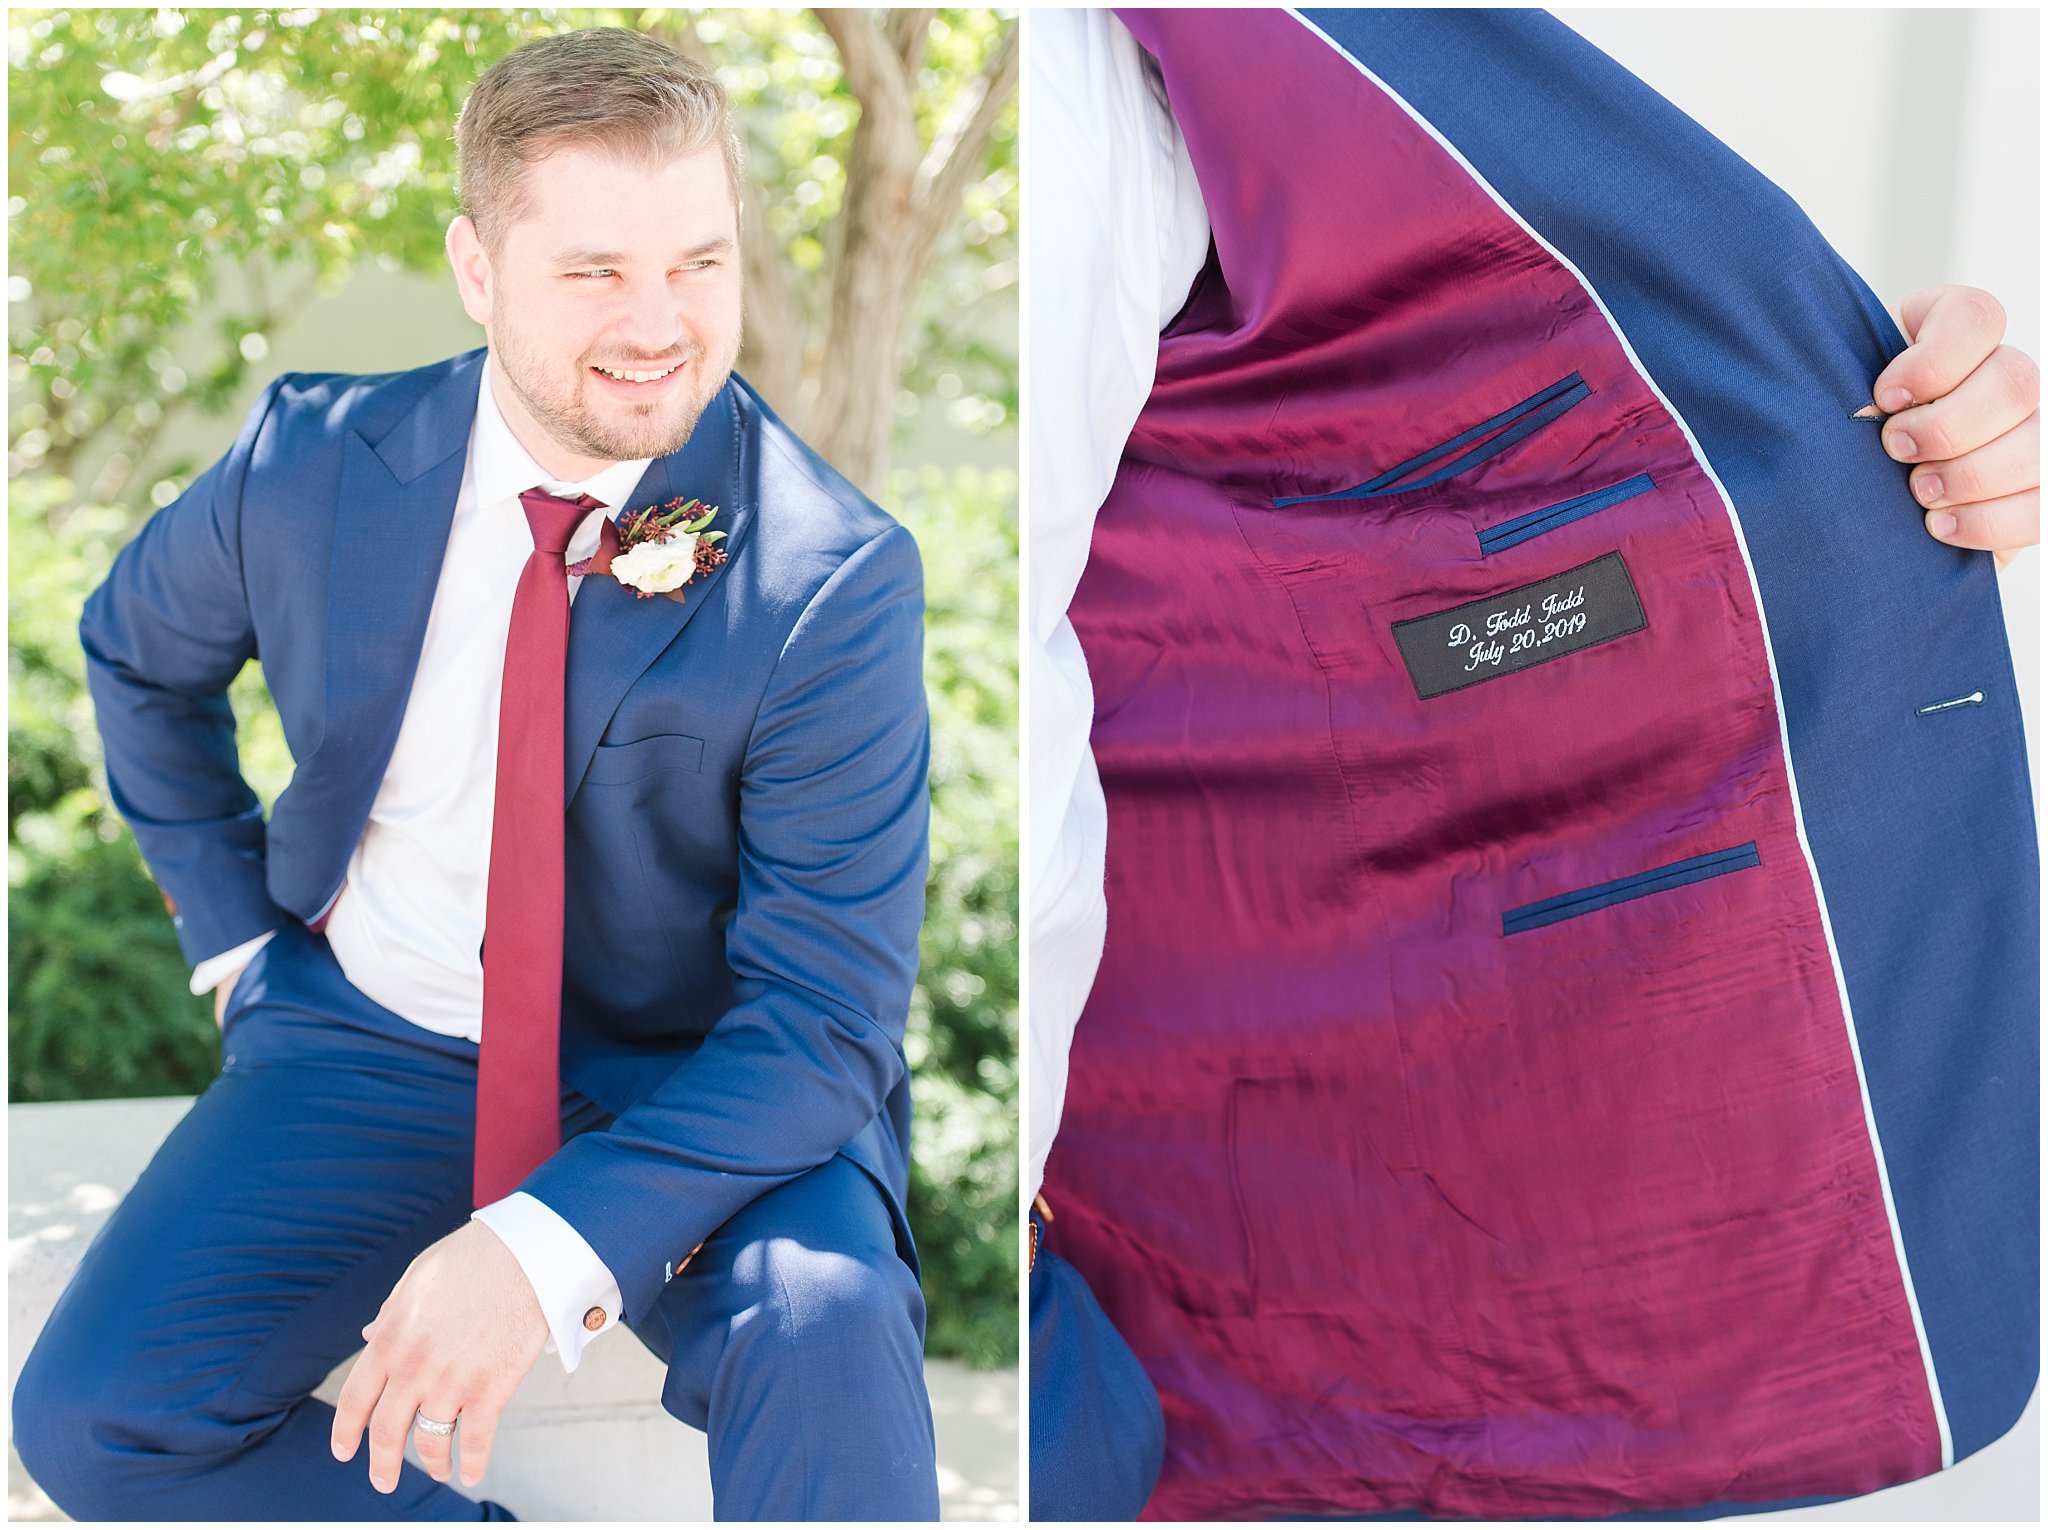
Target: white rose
[{"x": 658, "y": 566}]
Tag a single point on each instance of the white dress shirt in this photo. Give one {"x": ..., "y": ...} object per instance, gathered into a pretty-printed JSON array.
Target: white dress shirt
[
  {"x": 407, "y": 924},
  {"x": 1117, "y": 234}
]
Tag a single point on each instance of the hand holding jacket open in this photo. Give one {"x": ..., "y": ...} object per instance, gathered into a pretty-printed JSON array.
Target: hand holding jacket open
[{"x": 1965, "y": 409}]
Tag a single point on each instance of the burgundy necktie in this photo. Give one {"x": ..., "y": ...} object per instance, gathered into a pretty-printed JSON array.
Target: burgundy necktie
[{"x": 518, "y": 1092}]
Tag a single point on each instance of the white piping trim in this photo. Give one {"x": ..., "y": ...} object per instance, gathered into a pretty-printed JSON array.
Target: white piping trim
[{"x": 1784, "y": 736}]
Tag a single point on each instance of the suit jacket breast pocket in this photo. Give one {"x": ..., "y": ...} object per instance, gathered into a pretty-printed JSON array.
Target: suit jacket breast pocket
[{"x": 620, "y": 764}]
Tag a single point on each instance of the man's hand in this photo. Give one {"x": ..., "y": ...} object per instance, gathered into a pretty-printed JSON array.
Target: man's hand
[
  {"x": 221, "y": 990},
  {"x": 456, "y": 1336},
  {"x": 1966, "y": 409}
]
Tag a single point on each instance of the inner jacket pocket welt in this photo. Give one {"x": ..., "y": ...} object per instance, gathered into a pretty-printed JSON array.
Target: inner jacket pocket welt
[
  {"x": 1694, "y": 868},
  {"x": 1493, "y": 538},
  {"x": 1473, "y": 446}
]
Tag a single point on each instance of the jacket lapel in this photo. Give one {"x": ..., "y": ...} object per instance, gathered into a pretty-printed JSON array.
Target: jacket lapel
[
  {"x": 613, "y": 633},
  {"x": 395, "y": 506}
]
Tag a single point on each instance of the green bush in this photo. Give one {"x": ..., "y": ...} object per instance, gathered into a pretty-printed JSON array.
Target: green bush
[
  {"x": 963, "y": 1024},
  {"x": 98, "y": 1001}
]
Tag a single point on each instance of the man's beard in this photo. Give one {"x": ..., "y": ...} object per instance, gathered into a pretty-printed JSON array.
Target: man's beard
[{"x": 574, "y": 427}]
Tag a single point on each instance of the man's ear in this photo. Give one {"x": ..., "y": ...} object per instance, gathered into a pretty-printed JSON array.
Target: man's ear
[{"x": 472, "y": 268}]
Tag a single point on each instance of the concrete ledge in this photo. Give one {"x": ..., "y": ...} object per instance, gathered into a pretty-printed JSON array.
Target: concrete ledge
[{"x": 593, "y": 1446}]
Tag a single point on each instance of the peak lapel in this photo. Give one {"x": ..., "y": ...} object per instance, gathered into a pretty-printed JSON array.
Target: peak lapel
[{"x": 613, "y": 633}]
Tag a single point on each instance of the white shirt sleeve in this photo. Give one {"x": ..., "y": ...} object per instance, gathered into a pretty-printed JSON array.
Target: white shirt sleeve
[
  {"x": 209, "y": 974},
  {"x": 562, "y": 1268},
  {"x": 1116, "y": 236}
]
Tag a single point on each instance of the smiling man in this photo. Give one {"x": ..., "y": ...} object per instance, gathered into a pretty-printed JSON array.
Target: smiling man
[{"x": 498, "y": 1074}]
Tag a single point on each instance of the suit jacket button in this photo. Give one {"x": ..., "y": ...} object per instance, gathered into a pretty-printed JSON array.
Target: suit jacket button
[{"x": 594, "y": 1319}]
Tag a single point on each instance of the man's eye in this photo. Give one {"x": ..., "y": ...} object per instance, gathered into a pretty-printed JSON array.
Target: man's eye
[{"x": 605, "y": 272}]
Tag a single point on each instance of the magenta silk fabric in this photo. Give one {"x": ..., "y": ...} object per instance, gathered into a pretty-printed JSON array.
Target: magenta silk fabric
[
  {"x": 1398, "y": 1209},
  {"x": 518, "y": 1093}
]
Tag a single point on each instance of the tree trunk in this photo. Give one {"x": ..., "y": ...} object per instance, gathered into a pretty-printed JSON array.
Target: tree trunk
[
  {"x": 900, "y": 196},
  {"x": 772, "y": 344}
]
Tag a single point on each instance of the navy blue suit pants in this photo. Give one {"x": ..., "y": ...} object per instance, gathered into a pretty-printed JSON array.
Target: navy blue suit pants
[{"x": 173, "y": 1379}]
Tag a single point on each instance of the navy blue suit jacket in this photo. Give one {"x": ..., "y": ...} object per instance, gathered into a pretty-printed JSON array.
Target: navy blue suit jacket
[{"x": 746, "y": 803}]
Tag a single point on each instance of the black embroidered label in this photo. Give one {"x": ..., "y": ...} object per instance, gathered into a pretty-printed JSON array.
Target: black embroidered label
[{"x": 1484, "y": 639}]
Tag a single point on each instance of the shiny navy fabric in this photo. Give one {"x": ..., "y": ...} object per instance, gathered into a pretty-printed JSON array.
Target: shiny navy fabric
[
  {"x": 1468, "y": 1117},
  {"x": 171, "y": 1381},
  {"x": 1096, "y": 1431},
  {"x": 1764, "y": 339}
]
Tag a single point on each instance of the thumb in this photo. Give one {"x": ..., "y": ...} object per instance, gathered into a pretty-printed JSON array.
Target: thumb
[{"x": 1913, "y": 310}]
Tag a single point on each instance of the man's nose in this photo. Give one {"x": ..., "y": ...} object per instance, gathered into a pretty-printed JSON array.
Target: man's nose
[{"x": 652, "y": 323}]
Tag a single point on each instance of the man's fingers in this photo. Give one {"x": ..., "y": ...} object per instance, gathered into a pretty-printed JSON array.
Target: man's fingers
[
  {"x": 1983, "y": 406},
  {"x": 389, "y": 1426},
  {"x": 437, "y": 1450},
  {"x": 479, "y": 1428},
  {"x": 222, "y": 992},
  {"x": 442, "y": 1341},
  {"x": 1991, "y": 525},
  {"x": 2009, "y": 465},
  {"x": 352, "y": 1409},
  {"x": 1952, "y": 330},
  {"x": 1914, "y": 305}
]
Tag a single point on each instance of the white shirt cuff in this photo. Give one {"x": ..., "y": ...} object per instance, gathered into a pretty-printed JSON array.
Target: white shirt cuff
[
  {"x": 209, "y": 974},
  {"x": 564, "y": 1271}
]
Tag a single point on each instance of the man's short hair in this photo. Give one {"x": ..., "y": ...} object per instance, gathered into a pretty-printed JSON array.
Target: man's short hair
[{"x": 608, "y": 87}]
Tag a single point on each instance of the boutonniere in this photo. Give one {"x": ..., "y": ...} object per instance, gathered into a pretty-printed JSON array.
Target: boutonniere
[{"x": 657, "y": 550}]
